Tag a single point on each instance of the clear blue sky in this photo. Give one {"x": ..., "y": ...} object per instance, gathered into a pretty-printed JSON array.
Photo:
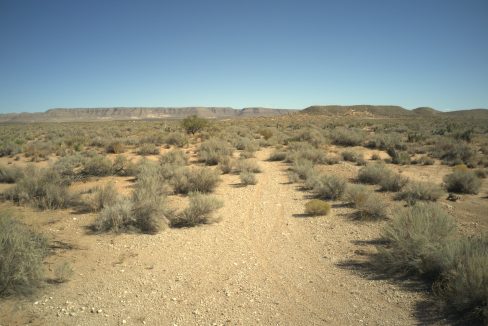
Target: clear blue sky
[{"x": 281, "y": 53}]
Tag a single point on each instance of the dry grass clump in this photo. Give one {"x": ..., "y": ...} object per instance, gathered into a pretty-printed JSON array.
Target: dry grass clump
[
  {"x": 418, "y": 190},
  {"x": 248, "y": 166},
  {"x": 464, "y": 182},
  {"x": 226, "y": 164},
  {"x": 10, "y": 174},
  {"x": 42, "y": 188},
  {"x": 248, "y": 178},
  {"x": 203, "y": 180},
  {"x": 213, "y": 151},
  {"x": 199, "y": 211},
  {"x": 317, "y": 207},
  {"x": 148, "y": 149},
  {"x": 116, "y": 218},
  {"x": 398, "y": 157},
  {"x": 304, "y": 151},
  {"x": 123, "y": 167},
  {"x": 21, "y": 255},
  {"x": 301, "y": 170}
]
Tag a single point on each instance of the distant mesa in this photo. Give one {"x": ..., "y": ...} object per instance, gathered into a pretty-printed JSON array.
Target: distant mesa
[{"x": 150, "y": 113}]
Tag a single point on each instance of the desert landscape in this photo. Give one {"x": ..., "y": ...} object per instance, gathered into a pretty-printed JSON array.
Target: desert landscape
[{"x": 340, "y": 215}]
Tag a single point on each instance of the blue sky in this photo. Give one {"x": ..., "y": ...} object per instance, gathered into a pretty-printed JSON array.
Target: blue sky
[{"x": 289, "y": 54}]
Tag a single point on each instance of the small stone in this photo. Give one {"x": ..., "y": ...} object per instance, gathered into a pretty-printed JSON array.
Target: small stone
[
  {"x": 99, "y": 311},
  {"x": 124, "y": 321}
]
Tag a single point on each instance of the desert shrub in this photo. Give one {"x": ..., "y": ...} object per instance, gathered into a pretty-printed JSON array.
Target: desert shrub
[
  {"x": 384, "y": 141},
  {"x": 351, "y": 156},
  {"x": 104, "y": 196},
  {"x": 464, "y": 182},
  {"x": 346, "y": 137},
  {"x": 10, "y": 174},
  {"x": 63, "y": 272},
  {"x": 303, "y": 168},
  {"x": 277, "y": 156},
  {"x": 193, "y": 124},
  {"x": 267, "y": 133},
  {"x": 148, "y": 149},
  {"x": 464, "y": 284},
  {"x": 372, "y": 173},
  {"x": 38, "y": 150},
  {"x": 9, "y": 149},
  {"x": 212, "y": 151},
  {"x": 226, "y": 164},
  {"x": 246, "y": 144},
  {"x": 317, "y": 207},
  {"x": 21, "y": 255},
  {"x": 368, "y": 204},
  {"x": 177, "y": 157},
  {"x": 375, "y": 157},
  {"x": 423, "y": 160},
  {"x": 115, "y": 148},
  {"x": 309, "y": 153},
  {"x": 44, "y": 189},
  {"x": 392, "y": 181},
  {"x": 116, "y": 218},
  {"x": 199, "y": 211},
  {"x": 177, "y": 139},
  {"x": 248, "y": 178},
  {"x": 97, "y": 166},
  {"x": 453, "y": 153},
  {"x": 415, "y": 237},
  {"x": 481, "y": 173},
  {"x": 248, "y": 166},
  {"x": 417, "y": 190},
  {"x": 195, "y": 180},
  {"x": 357, "y": 194},
  {"x": 123, "y": 167},
  {"x": 310, "y": 136},
  {"x": 398, "y": 157},
  {"x": 329, "y": 187},
  {"x": 70, "y": 167}
]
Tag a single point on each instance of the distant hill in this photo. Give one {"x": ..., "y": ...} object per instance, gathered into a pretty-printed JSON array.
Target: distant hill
[
  {"x": 359, "y": 110},
  {"x": 391, "y": 111},
  {"x": 143, "y": 113}
]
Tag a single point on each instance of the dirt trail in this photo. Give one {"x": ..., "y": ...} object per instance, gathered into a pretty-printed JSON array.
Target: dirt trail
[{"x": 263, "y": 264}]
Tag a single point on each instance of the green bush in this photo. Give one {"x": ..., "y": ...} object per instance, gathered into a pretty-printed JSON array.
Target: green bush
[
  {"x": 248, "y": 178},
  {"x": 347, "y": 137},
  {"x": 368, "y": 204},
  {"x": 415, "y": 191},
  {"x": 193, "y": 124},
  {"x": 415, "y": 238},
  {"x": 21, "y": 255},
  {"x": 464, "y": 182},
  {"x": 115, "y": 148},
  {"x": 10, "y": 174},
  {"x": 303, "y": 168},
  {"x": 317, "y": 207},
  {"x": 199, "y": 211},
  {"x": 176, "y": 157},
  {"x": 329, "y": 187}
]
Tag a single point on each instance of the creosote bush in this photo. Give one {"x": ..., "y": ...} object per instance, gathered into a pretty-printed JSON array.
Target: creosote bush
[
  {"x": 213, "y": 151},
  {"x": 464, "y": 182},
  {"x": 21, "y": 255},
  {"x": 199, "y": 211},
  {"x": 317, "y": 207}
]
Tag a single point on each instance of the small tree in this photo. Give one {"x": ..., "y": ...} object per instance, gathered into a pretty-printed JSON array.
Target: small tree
[{"x": 193, "y": 124}]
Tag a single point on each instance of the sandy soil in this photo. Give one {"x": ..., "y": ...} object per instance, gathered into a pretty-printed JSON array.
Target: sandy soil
[{"x": 264, "y": 263}]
